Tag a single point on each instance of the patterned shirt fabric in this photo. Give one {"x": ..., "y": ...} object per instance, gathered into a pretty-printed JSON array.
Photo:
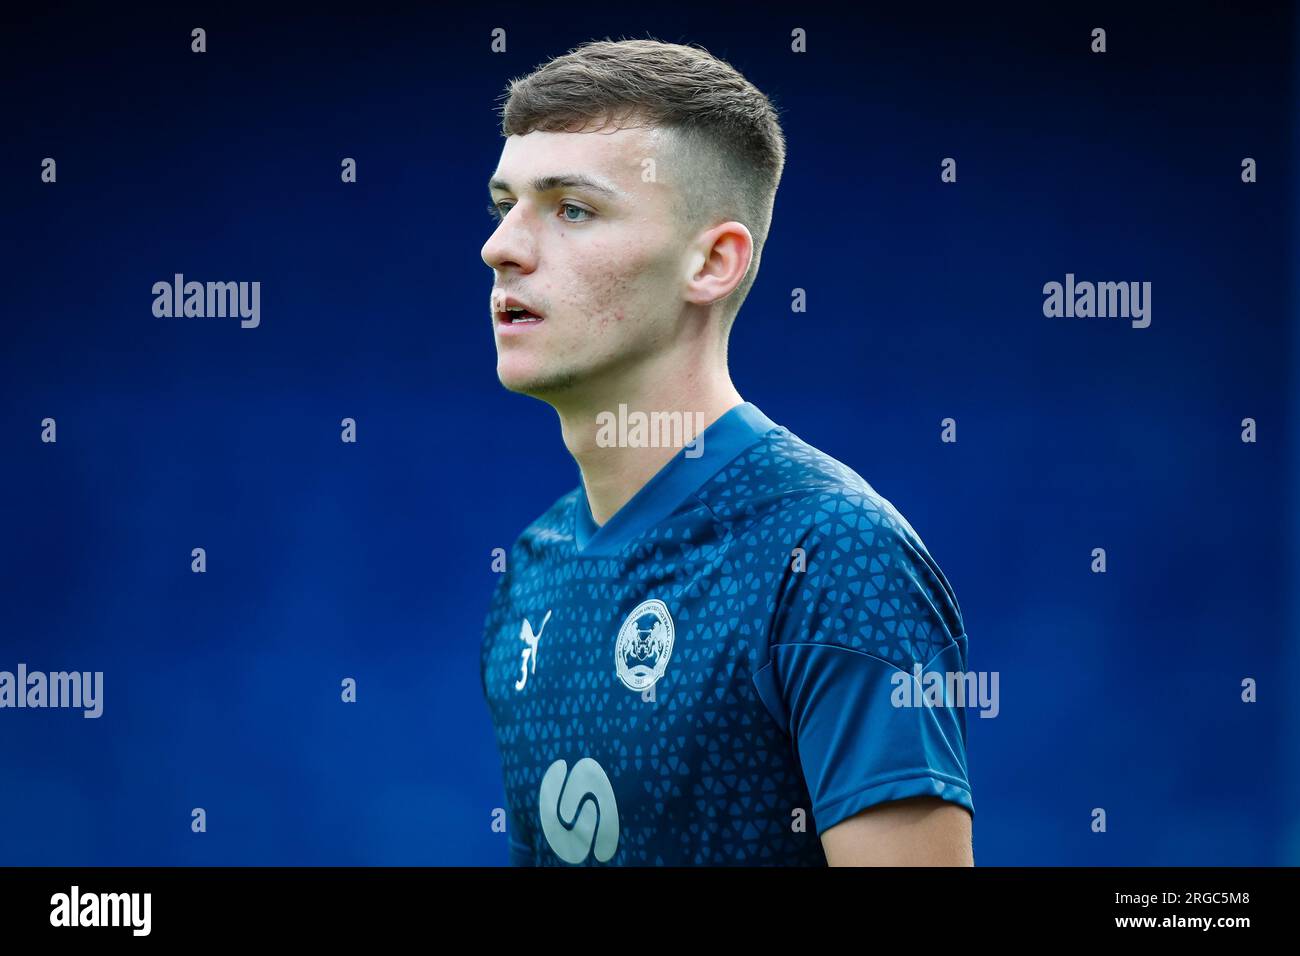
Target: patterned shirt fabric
[{"x": 713, "y": 676}]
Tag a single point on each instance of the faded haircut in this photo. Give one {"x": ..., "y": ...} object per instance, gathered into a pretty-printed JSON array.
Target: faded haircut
[{"x": 725, "y": 131}]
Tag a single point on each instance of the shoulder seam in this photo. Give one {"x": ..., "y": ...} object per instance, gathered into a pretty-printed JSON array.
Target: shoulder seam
[{"x": 875, "y": 657}]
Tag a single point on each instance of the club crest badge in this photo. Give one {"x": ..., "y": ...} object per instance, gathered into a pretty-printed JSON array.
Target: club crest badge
[{"x": 645, "y": 642}]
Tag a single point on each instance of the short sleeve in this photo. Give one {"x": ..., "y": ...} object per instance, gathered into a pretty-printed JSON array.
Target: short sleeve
[{"x": 867, "y": 647}]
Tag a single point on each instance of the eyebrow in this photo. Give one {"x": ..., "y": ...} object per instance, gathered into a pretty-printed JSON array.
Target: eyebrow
[{"x": 546, "y": 184}]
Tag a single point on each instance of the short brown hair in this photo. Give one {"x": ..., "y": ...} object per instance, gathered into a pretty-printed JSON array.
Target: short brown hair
[{"x": 728, "y": 130}]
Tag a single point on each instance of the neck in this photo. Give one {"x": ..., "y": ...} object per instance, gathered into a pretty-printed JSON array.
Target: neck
[{"x": 611, "y": 474}]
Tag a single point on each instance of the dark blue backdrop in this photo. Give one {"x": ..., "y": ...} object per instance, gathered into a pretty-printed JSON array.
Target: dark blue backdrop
[{"x": 371, "y": 560}]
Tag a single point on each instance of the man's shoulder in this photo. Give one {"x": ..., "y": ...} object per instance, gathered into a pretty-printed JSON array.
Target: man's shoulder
[
  {"x": 783, "y": 479},
  {"x": 855, "y": 550},
  {"x": 821, "y": 515},
  {"x": 552, "y": 527}
]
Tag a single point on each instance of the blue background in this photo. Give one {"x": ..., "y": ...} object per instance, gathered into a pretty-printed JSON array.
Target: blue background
[{"x": 328, "y": 560}]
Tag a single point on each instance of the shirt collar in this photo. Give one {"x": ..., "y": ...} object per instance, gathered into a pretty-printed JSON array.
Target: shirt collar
[{"x": 659, "y": 497}]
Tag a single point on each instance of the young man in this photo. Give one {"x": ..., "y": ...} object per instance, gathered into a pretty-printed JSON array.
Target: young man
[{"x": 695, "y": 656}]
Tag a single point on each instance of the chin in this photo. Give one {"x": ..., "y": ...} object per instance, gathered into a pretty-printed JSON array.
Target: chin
[{"x": 525, "y": 379}]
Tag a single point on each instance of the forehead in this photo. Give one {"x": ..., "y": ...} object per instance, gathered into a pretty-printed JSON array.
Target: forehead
[{"x": 616, "y": 155}]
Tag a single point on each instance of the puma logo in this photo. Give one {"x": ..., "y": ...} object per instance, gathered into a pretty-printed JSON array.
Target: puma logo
[{"x": 530, "y": 650}]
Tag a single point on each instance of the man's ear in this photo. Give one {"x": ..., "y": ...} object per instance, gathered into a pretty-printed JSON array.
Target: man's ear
[{"x": 719, "y": 262}]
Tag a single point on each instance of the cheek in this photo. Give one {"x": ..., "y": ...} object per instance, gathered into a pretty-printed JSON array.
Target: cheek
[
  {"x": 608, "y": 318},
  {"x": 618, "y": 280},
  {"x": 607, "y": 297}
]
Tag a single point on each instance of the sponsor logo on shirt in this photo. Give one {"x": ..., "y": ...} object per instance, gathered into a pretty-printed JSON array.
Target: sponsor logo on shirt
[{"x": 578, "y": 810}]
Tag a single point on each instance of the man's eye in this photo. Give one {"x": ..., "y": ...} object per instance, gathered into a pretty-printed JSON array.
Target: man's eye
[
  {"x": 587, "y": 214},
  {"x": 499, "y": 211}
]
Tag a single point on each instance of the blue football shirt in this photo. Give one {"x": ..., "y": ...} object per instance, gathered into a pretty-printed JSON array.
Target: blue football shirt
[{"x": 711, "y": 676}]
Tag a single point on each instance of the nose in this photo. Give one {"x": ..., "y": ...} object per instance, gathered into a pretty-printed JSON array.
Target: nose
[{"x": 511, "y": 244}]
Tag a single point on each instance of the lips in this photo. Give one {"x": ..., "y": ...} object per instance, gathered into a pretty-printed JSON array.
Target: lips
[{"x": 512, "y": 311}]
